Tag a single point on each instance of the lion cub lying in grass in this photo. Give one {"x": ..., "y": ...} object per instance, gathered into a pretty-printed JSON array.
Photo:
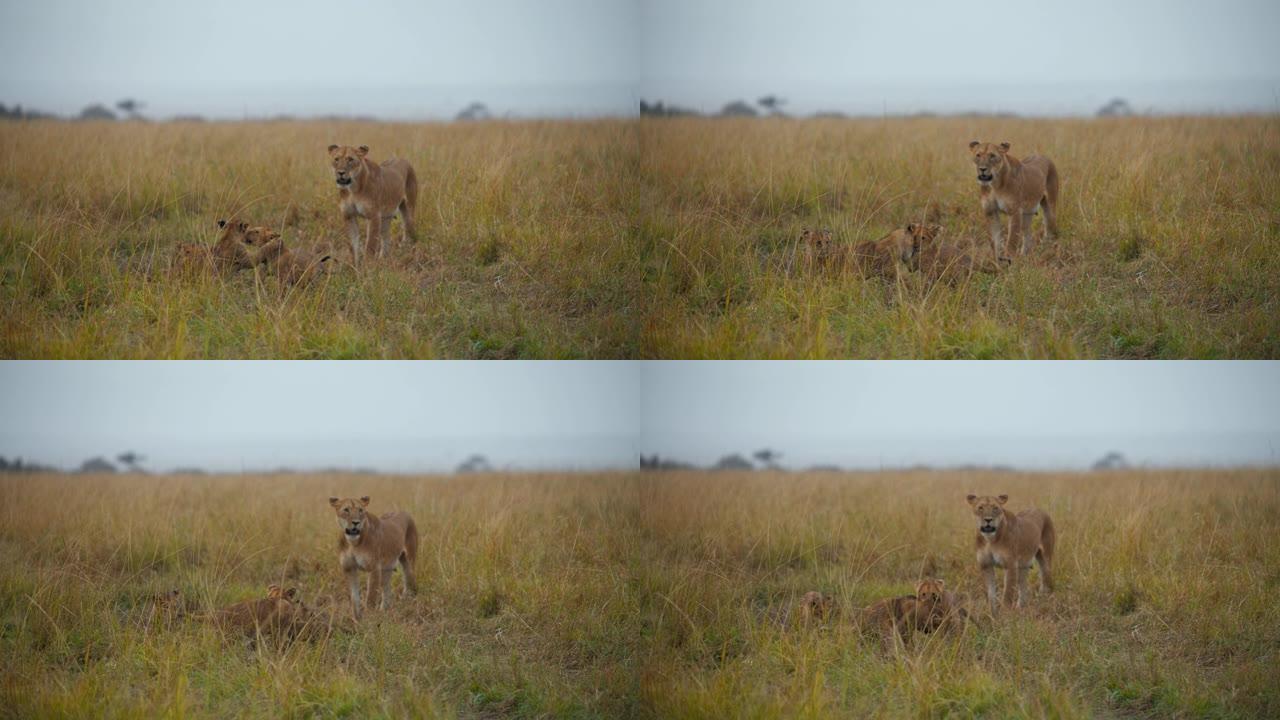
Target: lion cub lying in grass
[
  {"x": 930, "y": 609},
  {"x": 230, "y": 253},
  {"x": 291, "y": 267},
  {"x": 918, "y": 247},
  {"x": 280, "y": 614}
]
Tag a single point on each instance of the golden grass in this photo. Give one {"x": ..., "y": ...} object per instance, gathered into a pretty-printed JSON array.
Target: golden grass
[
  {"x": 1169, "y": 248},
  {"x": 663, "y": 238},
  {"x": 653, "y": 595},
  {"x": 521, "y": 248}
]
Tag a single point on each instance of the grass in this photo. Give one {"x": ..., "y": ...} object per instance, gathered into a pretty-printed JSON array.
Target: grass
[
  {"x": 654, "y": 595},
  {"x": 659, "y": 238},
  {"x": 520, "y": 251},
  {"x": 1170, "y": 242}
]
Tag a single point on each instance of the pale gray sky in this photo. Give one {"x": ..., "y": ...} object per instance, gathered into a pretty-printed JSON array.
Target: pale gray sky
[
  {"x": 1027, "y": 414},
  {"x": 598, "y": 57},
  {"x": 873, "y": 56},
  {"x": 393, "y": 416},
  {"x": 392, "y": 58},
  {"x": 423, "y": 416}
]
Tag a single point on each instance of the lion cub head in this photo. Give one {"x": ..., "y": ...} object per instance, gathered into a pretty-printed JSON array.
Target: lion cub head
[
  {"x": 348, "y": 163},
  {"x": 989, "y": 159},
  {"x": 989, "y": 510},
  {"x": 258, "y": 236},
  {"x": 816, "y": 607},
  {"x": 929, "y": 591},
  {"x": 352, "y": 516}
]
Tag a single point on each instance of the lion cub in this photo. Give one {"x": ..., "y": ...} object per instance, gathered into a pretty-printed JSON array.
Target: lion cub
[
  {"x": 1017, "y": 188},
  {"x": 1012, "y": 542},
  {"x": 375, "y": 545},
  {"x": 815, "y": 608},
  {"x": 895, "y": 251},
  {"x": 280, "y": 614},
  {"x": 292, "y": 267},
  {"x": 931, "y": 608}
]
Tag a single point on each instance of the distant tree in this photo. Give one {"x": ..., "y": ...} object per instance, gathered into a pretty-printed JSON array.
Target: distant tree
[
  {"x": 773, "y": 104},
  {"x": 474, "y": 111},
  {"x": 474, "y": 464},
  {"x": 97, "y": 111},
  {"x": 769, "y": 458},
  {"x": 1111, "y": 461},
  {"x": 131, "y": 460},
  {"x": 733, "y": 462},
  {"x": 658, "y": 109},
  {"x": 1118, "y": 107},
  {"x": 130, "y": 107},
  {"x": 97, "y": 465},
  {"x": 738, "y": 108}
]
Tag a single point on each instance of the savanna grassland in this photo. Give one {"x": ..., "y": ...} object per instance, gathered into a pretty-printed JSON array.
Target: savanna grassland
[
  {"x": 642, "y": 595},
  {"x": 659, "y": 238},
  {"x": 526, "y": 604},
  {"x": 1169, "y": 248},
  {"x": 520, "y": 254},
  {"x": 1165, "y": 601}
]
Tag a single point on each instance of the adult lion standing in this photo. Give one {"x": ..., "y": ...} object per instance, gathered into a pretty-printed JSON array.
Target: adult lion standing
[
  {"x": 1017, "y": 188},
  {"x": 374, "y": 544},
  {"x": 373, "y": 192},
  {"x": 1012, "y": 542}
]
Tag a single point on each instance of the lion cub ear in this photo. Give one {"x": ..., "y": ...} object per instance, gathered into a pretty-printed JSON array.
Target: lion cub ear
[
  {"x": 364, "y": 500},
  {"x": 1002, "y": 498},
  {"x": 911, "y": 228},
  {"x": 973, "y": 144},
  {"x": 1004, "y": 147},
  {"x": 222, "y": 223},
  {"x": 971, "y": 498},
  {"x": 940, "y": 584},
  {"x": 332, "y": 148},
  {"x": 292, "y": 594},
  {"x": 362, "y": 150},
  {"x": 333, "y": 502}
]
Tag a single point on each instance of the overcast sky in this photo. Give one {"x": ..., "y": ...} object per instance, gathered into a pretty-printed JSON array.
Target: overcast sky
[
  {"x": 427, "y": 58},
  {"x": 428, "y": 416}
]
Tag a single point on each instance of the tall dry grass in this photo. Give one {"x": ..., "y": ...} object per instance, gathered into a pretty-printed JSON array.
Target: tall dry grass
[
  {"x": 642, "y": 595},
  {"x": 1170, "y": 242},
  {"x": 521, "y": 252}
]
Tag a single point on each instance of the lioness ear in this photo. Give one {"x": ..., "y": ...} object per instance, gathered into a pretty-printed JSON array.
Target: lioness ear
[
  {"x": 971, "y": 498},
  {"x": 333, "y": 502},
  {"x": 364, "y": 500},
  {"x": 362, "y": 150},
  {"x": 1002, "y": 498},
  {"x": 332, "y": 148},
  {"x": 973, "y": 144},
  {"x": 1004, "y": 147}
]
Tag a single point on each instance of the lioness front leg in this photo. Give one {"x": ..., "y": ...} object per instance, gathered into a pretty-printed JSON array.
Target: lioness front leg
[
  {"x": 375, "y": 584},
  {"x": 1015, "y": 232},
  {"x": 373, "y": 241},
  {"x": 1028, "y": 239},
  {"x": 353, "y": 586},
  {"x": 353, "y": 230},
  {"x": 996, "y": 226},
  {"x": 1010, "y": 583},
  {"x": 989, "y": 577},
  {"x": 386, "y": 587}
]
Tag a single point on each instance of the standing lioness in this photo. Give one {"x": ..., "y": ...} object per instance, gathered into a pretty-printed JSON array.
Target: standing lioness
[
  {"x": 1011, "y": 542},
  {"x": 374, "y": 192},
  {"x": 1017, "y": 188},
  {"x": 374, "y": 544}
]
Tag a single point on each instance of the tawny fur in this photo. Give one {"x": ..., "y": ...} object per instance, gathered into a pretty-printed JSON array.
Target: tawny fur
[
  {"x": 815, "y": 608},
  {"x": 894, "y": 252},
  {"x": 375, "y": 545},
  {"x": 373, "y": 192},
  {"x": 280, "y": 614},
  {"x": 293, "y": 267},
  {"x": 1017, "y": 188},
  {"x": 1012, "y": 542}
]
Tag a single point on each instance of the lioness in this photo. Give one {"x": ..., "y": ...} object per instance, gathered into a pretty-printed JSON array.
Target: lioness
[
  {"x": 1011, "y": 542},
  {"x": 374, "y": 544},
  {"x": 1018, "y": 188},
  {"x": 374, "y": 192}
]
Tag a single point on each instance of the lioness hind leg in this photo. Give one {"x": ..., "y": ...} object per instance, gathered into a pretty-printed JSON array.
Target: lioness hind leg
[
  {"x": 410, "y": 581},
  {"x": 1046, "y": 576},
  {"x": 1050, "y": 219},
  {"x": 407, "y": 231},
  {"x": 1028, "y": 238}
]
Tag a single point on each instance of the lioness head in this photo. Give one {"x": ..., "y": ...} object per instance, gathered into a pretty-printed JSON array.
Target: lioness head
[
  {"x": 989, "y": 511},
  {"x": 989, "y": 159},
  {"x": 348, "y": 163},
  {"x": 351, "y": 515}
]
